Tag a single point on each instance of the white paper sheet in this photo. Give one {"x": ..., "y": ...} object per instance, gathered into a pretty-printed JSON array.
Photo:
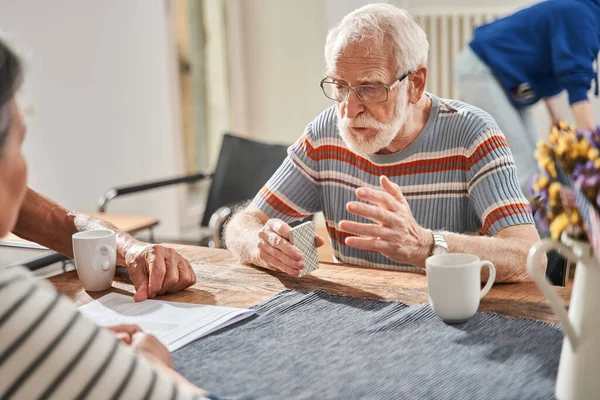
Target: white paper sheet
[{"x": 174, "y": 324}]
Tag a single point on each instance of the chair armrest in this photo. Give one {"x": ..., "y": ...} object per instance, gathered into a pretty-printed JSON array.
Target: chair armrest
[
  {"x": 36, "y": 263},
  {"x": 217, "y": 220},
  {"x": 125, "y": 190}
]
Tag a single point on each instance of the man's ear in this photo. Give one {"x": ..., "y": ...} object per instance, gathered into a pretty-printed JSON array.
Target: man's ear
[{"x": 416, "y": 82}]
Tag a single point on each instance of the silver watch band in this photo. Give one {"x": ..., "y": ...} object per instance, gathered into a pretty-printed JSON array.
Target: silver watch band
[{"x": 439, "y": 244}]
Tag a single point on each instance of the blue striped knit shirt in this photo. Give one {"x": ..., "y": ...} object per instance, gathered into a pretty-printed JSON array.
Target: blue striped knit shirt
[{"x": 458, "y": 175}]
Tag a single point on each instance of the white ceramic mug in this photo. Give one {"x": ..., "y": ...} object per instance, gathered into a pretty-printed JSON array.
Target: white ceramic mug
[
  {"x": 95, "y": 258},
  {"x": 454, "y": 282}
]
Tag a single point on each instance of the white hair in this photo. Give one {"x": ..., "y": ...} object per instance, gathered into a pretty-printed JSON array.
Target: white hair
[{"x": 380, "y": 25}]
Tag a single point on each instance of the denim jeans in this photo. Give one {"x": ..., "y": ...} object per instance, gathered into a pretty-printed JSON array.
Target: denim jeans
[{"x": 479, "y": 87}]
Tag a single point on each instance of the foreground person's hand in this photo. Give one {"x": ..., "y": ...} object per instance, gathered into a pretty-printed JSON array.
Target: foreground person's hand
[
  {"x": 124, "y": 332},
  {"x": 157, "y": 269},
  {"x": 150, "y": 348}
]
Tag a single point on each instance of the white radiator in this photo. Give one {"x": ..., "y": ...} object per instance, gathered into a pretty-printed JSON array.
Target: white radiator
[{"x": 448, "y": 31}]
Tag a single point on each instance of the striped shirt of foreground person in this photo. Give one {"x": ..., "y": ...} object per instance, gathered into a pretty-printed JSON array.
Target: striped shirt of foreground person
[
  {"x": 457, "y": 176},
  {"x": 49, "y": 350}
]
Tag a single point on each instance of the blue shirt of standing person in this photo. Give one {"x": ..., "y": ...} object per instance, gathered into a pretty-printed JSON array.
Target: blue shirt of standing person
[{"x": 535, "y": 54}]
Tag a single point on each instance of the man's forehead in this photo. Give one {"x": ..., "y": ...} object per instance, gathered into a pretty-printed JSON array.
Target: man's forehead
[
  {"x": 362, "y": 63},
  {"x": 360, "y": 72},
  {"x": 359, "y": 78}
]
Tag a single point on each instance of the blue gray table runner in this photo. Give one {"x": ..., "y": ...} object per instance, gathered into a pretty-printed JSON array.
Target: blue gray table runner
[{"x": 323, "y": 346}]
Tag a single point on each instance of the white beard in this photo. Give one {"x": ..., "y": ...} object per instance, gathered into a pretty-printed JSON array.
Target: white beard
[{"x": 386, "y": 132}]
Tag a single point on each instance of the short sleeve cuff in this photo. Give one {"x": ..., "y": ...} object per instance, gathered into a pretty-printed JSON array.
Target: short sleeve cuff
[
  {"x": 506, "y": 216},
  {"x": 576, "y": 94}
]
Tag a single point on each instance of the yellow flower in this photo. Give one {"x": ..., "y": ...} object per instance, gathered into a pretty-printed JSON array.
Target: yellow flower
[
  {"x": 558, "y": 225},
  {"x": 541, "y": 183},
  {"x": 554, "y": 136},
  {"x": 564, "y": 126},
  {"x": 554, "y": 193},
  {"x": 561, "y": 148},
  {"x": 575, "y": 217},
  {"x": 583, "y": 147}
]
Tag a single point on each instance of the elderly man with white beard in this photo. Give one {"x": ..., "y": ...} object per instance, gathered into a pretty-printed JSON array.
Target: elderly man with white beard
[{"x": 399, "y": 174}]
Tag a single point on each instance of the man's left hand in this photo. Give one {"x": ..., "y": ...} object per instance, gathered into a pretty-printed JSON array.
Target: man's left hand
[
  {"x": 156, "y": 269},
  {"x": 395, "y": 233}
]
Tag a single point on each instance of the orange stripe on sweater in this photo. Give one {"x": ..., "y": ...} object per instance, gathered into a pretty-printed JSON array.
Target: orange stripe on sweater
[
  {"x": 275, "y": 202},
  {"x": 503, "y": 212},
  {"x": 338, "y": 236},
  {"x": 457, "y": 162}
]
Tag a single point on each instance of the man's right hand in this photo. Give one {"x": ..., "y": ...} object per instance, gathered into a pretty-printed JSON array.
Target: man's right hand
[{"x": 275, "y": 252}]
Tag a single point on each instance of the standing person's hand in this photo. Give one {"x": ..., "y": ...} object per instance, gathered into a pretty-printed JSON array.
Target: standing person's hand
[
  {"x": 275, "y": 252},
  {"x": 395, "y": 233},
  {"x": 157, "y": 269}
]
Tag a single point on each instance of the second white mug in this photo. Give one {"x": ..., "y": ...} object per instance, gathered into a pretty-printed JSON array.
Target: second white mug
[
  {"x": 454, "y": 285},
  {"x": 95, "y": 258}
]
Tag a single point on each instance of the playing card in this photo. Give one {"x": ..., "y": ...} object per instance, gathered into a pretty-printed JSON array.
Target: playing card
[{"x": 303, "y": 237}]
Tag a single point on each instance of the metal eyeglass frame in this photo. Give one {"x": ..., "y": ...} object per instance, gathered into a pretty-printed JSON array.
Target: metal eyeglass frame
[{"x": 353, "y": 88}]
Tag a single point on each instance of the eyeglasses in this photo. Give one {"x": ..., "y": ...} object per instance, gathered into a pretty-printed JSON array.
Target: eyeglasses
[{"x": 367, "y": 94}]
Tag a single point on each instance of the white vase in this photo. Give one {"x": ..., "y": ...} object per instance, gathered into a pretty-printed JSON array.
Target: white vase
[{"x": 579, "y": 368}]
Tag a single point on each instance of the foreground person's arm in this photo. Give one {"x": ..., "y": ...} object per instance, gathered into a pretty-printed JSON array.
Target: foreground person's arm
[
  {"x": 49, "y": 350},
  {"x": 154, "y": 269}
]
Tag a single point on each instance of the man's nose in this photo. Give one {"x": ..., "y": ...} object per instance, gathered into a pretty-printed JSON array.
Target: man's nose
[{"x": 353, "y": 105}]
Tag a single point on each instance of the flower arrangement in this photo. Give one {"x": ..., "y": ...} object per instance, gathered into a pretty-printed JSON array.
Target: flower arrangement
[{"x": 569, "y": 160}]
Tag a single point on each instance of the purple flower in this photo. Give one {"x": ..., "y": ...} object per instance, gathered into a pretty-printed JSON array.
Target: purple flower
[
  {"x": 540, "y": 219},
  {"x": 590, "y": 181},
  {"x": 578, "y": 170},
  {"x": 589, "y": 165}
]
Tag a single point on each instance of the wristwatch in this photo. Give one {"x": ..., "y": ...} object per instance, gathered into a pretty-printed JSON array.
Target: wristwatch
[{"x": 439, "y": 244}]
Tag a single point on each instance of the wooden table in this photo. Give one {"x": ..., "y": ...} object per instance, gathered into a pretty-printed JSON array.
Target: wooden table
[
  {"x": 127, "y": 223},
  {"x": 221, "y": 280}
]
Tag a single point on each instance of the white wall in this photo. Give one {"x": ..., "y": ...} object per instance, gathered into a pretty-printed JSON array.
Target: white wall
[
  {"x": 281, "y": 43},
  {"x": 337, "y": 9},
  {"x": 100, "y": 77}
]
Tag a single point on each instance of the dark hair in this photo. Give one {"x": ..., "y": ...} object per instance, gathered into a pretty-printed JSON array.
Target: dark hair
[{"x": 11, "y": 74}]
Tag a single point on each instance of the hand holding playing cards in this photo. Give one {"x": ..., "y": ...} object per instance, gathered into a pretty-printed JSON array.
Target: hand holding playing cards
[
  {"x": 395, "y": 233},
  {"x": 275, "y": 252}
]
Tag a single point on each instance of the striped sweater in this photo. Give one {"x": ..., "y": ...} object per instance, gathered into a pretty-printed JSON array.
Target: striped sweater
[
  {"x": 50, "y": 351},
  {"x": 458, "y": 175}
]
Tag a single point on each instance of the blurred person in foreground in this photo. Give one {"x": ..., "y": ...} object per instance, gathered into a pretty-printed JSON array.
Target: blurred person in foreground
[
  {"x": 532, "y": 55},
  {"x": 47, "y": 348},
  {"x": 400, "y": 174}
]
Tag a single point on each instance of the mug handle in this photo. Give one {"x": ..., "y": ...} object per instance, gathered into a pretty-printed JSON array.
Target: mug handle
[
  {"x": 112, "y": 256},
  {"x": 491, "y": 278},
  {"x": 539, "y": 276}
]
